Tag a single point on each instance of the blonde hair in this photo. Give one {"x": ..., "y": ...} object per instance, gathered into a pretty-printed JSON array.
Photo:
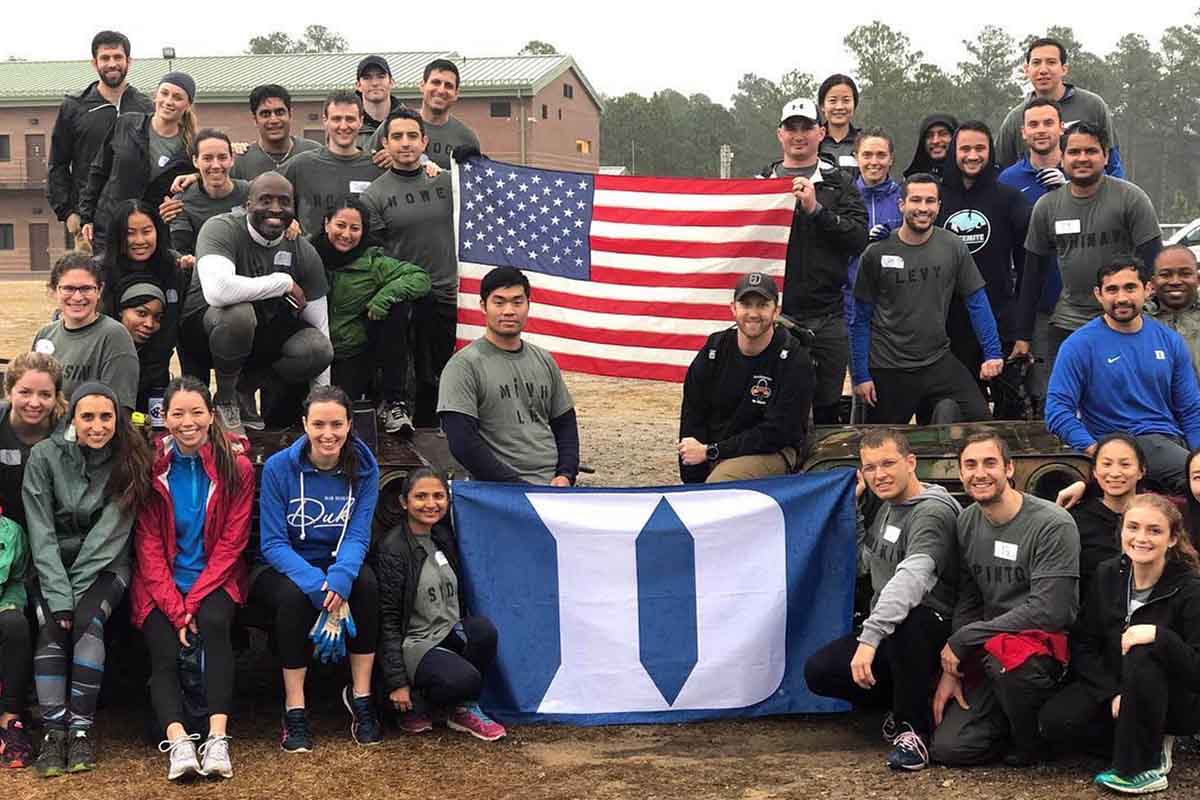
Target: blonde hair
[
  {"x": 1183, "y": 550},
  {"x": 188, "y": 125},
  {"x": 38, "y": 362}
]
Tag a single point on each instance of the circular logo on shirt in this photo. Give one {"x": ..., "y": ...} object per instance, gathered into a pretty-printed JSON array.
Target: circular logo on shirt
[
  {"x": 44, "y": 346},
  {"x": 972, "y": 227}
]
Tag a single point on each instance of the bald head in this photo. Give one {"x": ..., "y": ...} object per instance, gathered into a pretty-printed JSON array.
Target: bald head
[
  {"x": 270, "y": 204},
  {"x": 1175, "y": 279}
]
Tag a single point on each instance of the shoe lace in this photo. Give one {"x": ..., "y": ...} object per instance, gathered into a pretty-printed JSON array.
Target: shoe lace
[
  {"x": 217, "y": 745},
  {"x": 169, "y": 745},
  {"x": 913, "y": 743},
  {"x": 474, "y": 710}
]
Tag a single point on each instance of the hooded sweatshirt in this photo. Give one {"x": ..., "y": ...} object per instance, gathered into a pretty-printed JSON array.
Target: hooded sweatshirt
[
  {"x": 315, "y": 526},
  {"x": 14, "y": 565},
  {"x": 921, "y": 162},
  {"x": 913, "y": 556},
  {"x": 75, "y": 530},
  {"x": 883, "y": 208}
]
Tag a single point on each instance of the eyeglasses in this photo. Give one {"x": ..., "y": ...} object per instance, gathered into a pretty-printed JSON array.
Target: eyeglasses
[{"x": 84, "y": 291}]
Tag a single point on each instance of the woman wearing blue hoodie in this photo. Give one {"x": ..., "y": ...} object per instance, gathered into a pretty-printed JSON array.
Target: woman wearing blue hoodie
[
  {"x": 875, "y": 152},
  {"x": 316, "y": 503}
]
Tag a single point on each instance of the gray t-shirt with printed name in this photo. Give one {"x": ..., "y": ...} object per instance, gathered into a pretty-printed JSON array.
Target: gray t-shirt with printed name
[
  {"x": 921, "y": 527},
  {"x": 442, "y": 140},
  {"x": 911, "y": 288},
  {"x": 1086, "y": 233},
  {"x": 255, "y": 161},
  {"x": 412, "y": 216},
  {"x": 435, "y": 607},
  {"x": 99, "y": 351},
  {"x": 320, "y": 179},
  {"x": 199, "y": 207},
  {"x": 514, "y": 395}
]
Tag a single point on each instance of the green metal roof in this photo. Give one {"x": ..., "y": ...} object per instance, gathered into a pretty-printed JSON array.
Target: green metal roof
[{"x": 307, "y": 75}]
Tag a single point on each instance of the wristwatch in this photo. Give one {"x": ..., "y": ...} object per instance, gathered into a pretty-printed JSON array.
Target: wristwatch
[{"x": 712, "y": 452}]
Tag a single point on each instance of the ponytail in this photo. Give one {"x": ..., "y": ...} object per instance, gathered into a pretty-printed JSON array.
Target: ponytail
[{"x": 188, "y": 125}]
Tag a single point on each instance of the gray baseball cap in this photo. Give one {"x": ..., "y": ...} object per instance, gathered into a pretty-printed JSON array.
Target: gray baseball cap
[{"x": 759, "y": 283}]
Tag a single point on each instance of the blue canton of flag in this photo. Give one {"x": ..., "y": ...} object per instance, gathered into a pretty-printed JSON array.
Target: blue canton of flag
[{"x": 532, "y": 219}]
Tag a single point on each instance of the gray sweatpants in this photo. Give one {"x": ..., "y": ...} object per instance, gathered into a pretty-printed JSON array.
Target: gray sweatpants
[{"x": 290, "y": 347}]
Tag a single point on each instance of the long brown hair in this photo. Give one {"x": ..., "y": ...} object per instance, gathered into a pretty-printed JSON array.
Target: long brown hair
[
  {"x": 38, "y": 362},
  {"x": 348, "y": 459},
  {"x": 223, "y": 455},
  {"x": 1183, "y": 550},
  {"x": 129, "y": 481}
]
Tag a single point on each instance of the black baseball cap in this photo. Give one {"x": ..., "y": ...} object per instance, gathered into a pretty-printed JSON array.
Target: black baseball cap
[
  {"x": 759, "y": 283},
  {"x": 378, "y": 62}
]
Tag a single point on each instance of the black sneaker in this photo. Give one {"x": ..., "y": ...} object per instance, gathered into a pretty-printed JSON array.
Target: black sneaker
[
  {"x": 364, "y": 725},
  {"x": 297, "y": 736},
  {"x": 251, "y": 419},
  {"x": 80, "y": 757},
  {"x": 909, "y": 751},
  {"x": 52, "y": 761}
]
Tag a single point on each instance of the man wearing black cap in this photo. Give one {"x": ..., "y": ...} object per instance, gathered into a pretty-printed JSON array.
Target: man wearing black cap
[
  {"x": 829, "y": 228},
  {"x": 747, "y": 394},
  {"x": 374, "y": 83}
]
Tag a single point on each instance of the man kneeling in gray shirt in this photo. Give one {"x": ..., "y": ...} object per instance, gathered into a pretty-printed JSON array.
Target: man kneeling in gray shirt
[{"x": 911, "y": 552}]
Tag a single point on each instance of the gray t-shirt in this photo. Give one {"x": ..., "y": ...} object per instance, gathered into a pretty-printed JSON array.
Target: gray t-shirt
[
  {"x": 228, "y": 235},
  {"x": 320, "y": 179},
  {"x": 255, "y": 161},
  {"x": 442, "y": 140},
  {"x": 1085, "y": 234},
  {"x": 514, "y": 395},
  {"x": 911, "y": 288},
  {"x": 161, "y": 151},
  {"x": 923, "y": 526},
  {"x": 1137, "y": 597},
  {"x": 412, "y": 215},
  {"x": 435, "y": 607},
  {"x": 102, "y": 351},
  {"x": 199, "y": 207},
  {"x": 1077, "y": 105}
]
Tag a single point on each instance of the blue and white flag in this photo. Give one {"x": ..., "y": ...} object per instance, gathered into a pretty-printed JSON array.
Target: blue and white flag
[{"x": 659, "y": 604}]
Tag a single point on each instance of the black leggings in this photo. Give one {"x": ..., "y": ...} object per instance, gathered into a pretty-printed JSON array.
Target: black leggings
[
  {"x": 16, "y": 660},
  {"x": 295, "y": 614},
  {"x": 387, "y": 351},
  {"x": 54, "y": 675},
  {"x": 432, "y": 335},
  {"x": 452, "y": 672},
  {"x": 213, "y": 619}
]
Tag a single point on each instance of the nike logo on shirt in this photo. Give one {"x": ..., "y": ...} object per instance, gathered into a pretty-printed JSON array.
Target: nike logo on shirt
[{"x": 1114, "y": 358}]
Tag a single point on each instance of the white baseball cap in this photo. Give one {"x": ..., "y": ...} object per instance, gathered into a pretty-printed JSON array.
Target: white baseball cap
[{"x": 800, "y": 107}]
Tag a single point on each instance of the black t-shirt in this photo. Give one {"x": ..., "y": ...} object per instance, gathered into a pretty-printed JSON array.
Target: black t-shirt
[{"x": 13, "y": 455}]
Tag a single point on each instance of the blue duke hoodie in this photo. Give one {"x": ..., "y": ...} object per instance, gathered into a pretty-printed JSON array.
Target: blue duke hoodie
[{"x": 315, "y": 527}]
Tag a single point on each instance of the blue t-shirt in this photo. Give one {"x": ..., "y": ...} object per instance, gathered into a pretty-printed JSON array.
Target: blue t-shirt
[{"x": 189, "y": 494}]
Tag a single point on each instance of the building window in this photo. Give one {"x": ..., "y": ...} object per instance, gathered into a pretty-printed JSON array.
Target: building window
[
  {"x": 5, "y": 148},
  {"x": 502, "y": 109},
  {"x": 568, "y": 91},
  {"x": 545, "y": 111},
  {"x": 6, "y": 237},
  {"x": 583, "y": 145}
]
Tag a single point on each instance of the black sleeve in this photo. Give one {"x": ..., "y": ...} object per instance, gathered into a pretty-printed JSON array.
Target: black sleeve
[
  {"x": 846, "y": 223},
  {"x": 694, "y": 410},
  {"x": 97, "y": 176},
  {"x": 1087, "y": 650},
  {"x": 468, "y": 447},
  {"x": 183, "y": 240},
  {"x": 782, "y": 424},
  {"x": 566, "y": 438},
  {"x": 60, "y": 183},
  {"x": 392, "y": 571},
  {"x": 1033, "y": 278},
  {"x": 1147, "y": 252}
]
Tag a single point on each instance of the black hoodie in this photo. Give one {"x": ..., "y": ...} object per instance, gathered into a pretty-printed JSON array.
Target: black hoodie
[{"x": 921, "y": 162}]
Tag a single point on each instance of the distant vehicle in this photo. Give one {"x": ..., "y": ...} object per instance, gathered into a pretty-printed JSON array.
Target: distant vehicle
[{"x": 1188, "y": 235}]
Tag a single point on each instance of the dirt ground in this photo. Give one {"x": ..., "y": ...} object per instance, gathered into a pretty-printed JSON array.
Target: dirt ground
[{"x": 628, "y": 429}]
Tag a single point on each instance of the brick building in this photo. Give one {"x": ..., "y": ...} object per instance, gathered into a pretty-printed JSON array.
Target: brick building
[{"x": 536, "y": 110}]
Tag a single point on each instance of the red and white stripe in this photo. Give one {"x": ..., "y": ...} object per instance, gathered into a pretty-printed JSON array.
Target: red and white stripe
[{"x": 666, "y": 254}]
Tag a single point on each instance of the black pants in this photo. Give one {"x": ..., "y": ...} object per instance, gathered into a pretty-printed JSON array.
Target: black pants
[
  {"x": 900, "y": 392},
  {"x": 213, "y": 619},
  {"x": 1153, "y": 702},
  {"x": 433, "y": 330},
  {"x": 16, "y": 660},
  {"x": 69, "y": 665},
  {"x": 906, "y": 667},
  {"x": 387, "y": 352},
  {"x": 295, "y": 614},
  {"x": 830, "y": 353},
  {"x": 452, "y": 673}
]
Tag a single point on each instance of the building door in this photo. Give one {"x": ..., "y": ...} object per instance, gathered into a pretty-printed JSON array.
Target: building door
[
  {"x": 39, "y": 246},
  {"x": 35, "y": 157}
]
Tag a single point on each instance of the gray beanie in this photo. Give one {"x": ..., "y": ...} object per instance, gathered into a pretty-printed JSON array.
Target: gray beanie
[
  {"x": 183, "y": 81},
  {"x": 141, "y": 290},
  {"x": 90, "y": 388}
]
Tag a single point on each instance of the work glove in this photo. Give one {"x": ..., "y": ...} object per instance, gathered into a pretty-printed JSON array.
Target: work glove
[
  {"x": 330, "y": 632},
  {"x": 878, "y": 233},
  {"x": 1051, "y": 178}
]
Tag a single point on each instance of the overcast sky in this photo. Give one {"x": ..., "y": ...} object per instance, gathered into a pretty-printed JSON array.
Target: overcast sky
[{"x": 621, "y": 45}]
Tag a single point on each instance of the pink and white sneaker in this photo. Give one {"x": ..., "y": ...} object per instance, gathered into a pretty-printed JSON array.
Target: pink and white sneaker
[
  {"x": 414, "y": 722},
  {"x": 470, "y": 719}
]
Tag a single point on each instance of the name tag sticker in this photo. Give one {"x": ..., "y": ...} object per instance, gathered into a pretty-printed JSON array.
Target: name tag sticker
[
  {"x": 10, "y": 458},
  {"x": 891, "y": 262},
  {"x": 891, "y": 533},
  {"x": 847, "y": 161},
  {"x": 1006, "y": 550},
  {"x": 172, "y": 296},
  {"x": 283, "y": 259},
  {"x": 440, "y": 558},
  {"x": 44, "y": 346},
  {"x": 1065, "y": 226},
  {"x": 163, "y": 160},
  {"x": 358, "y": 187}
]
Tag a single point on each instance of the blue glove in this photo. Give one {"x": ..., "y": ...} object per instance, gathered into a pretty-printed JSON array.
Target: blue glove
[{"x": 878, "y": 232}]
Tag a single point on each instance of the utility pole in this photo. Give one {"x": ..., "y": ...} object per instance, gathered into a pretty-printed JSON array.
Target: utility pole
[{"x": 726, "y": 161}]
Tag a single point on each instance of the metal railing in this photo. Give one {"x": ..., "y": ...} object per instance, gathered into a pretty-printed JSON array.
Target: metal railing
[{"x": 21, "y": 173}]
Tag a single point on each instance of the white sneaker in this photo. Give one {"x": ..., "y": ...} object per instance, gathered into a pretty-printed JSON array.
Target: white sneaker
[
  {"x": 231, "y": 418},
  {"x": 215, "y": 755},
  {"x": 182, "y": 761},
  {"x": 396, "y": 419},
  {"x": 1168, "y": 754}
]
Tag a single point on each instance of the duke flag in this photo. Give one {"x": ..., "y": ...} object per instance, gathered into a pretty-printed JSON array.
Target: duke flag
[{"x": 659, "y": 604}]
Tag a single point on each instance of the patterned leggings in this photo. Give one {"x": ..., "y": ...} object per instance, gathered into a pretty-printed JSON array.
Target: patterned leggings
[{"x": 74, "y": 657}]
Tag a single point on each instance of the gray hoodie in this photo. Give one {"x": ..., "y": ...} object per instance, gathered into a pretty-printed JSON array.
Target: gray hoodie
[{"x": 912, "y": 553}]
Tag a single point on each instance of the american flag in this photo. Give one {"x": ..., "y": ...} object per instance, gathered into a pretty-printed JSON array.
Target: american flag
[{"x": 630, "y": 275}]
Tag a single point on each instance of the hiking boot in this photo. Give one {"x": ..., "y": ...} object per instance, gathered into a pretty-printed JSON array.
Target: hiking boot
[
  {"x": 397, "y": 420},
  {"x": 1152, "y": 780},
  {"x": 80, "y": 755},
  {"x": 231, "y": 419},
  {"x": 909, "y": 751},
  {"x": 182, "y": 763},
  {"x": 52, "y": 761},
  {"x": 297, "y": 736},
  {"x": 214, "y": 757},
  {"x": 470, "y": 719},
  {"x": 251, "y": 419},
  {"x": 16, "y": 748},
  {"x": 414, "y": 722},
  {"x": 364, "y": 725}
]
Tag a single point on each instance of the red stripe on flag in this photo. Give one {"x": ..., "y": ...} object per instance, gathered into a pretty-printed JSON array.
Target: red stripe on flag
[
  {"x": 625, "y": 183},
  {"x": 611, "y": 367},
  {"x": 615, "y": 336},
  {"x": 699, "y": 219},
  {"x": 664, "y": 247},
  {"x": 637, "y": 308},
  {"x": 690, "y": 280}
]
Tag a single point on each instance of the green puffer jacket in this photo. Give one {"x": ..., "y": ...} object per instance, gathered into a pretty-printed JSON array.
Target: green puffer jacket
[
  {"x": 14, "y": 564},
  {"x": 371, "y": 284},
  {"x": 75, "y": 533}
]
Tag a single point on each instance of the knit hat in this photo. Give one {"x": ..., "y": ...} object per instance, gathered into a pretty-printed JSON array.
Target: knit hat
[
  {"x": 183, "y": 81},
  {"x": 86, "y": 390},
  {"x": 138, "y": 292}
]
